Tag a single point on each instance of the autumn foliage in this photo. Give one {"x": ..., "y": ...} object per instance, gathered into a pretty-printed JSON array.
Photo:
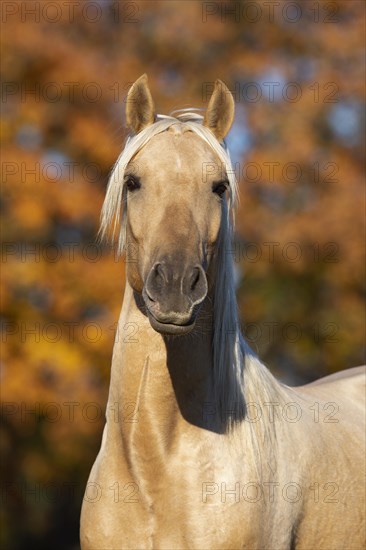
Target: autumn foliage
[{"x": 296, "y": 70}]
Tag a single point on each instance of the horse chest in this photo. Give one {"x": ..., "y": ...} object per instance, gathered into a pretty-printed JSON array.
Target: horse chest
[{"x": 192, "y": 497}]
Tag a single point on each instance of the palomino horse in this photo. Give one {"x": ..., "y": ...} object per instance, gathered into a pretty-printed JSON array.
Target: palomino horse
[{"x": 202, "y": 447}]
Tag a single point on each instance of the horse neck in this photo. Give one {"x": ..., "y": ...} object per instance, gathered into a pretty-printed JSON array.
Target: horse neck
[
  {"x": 161, "y": 383},
  {"x": 163, "y": 379}
]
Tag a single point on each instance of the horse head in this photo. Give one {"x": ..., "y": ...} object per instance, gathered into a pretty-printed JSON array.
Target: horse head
[{"x": 174, "y": 187}]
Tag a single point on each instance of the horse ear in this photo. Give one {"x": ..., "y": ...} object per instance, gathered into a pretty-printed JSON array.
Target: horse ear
[
  {"x": 140, "y": 105},
  {"x": 220, "y": 111}
]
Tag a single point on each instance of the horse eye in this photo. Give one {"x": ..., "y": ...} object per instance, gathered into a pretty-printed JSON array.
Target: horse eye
[
  {"x": 220, "y": 187},
  {"x": 132, "y": 183}
]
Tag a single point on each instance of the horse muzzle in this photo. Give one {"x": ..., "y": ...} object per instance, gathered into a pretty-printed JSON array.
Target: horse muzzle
[{"x": 173, "y": 297}]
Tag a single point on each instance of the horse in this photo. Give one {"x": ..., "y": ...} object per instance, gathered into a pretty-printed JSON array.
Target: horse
[{"x": 202, "y": 447}]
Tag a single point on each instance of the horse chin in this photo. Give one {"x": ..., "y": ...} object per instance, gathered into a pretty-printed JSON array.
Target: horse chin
[{"x": 170, "y": 329}]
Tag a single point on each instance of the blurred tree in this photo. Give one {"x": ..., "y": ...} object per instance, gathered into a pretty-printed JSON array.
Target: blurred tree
[{"x": 297, "y": 73}]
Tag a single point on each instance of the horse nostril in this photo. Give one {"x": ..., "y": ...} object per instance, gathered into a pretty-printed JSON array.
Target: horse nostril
[
  {"x": 196, "y": 284},
  {"x": 156, "y": 282},
  {"x": 195, "y": 278},
  {"x": 149, "y": 296},
  {"x": 159, "y": 273}
]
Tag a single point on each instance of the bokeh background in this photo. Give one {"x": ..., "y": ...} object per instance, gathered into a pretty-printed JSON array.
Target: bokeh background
[{"x": 297, "y": 73}]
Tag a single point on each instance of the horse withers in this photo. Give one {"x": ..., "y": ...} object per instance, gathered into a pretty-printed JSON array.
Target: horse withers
[{"x": 203, "y": 448}]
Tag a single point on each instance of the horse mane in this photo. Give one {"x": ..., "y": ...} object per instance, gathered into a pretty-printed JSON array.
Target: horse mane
[{"x": 239, "y": 377}]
